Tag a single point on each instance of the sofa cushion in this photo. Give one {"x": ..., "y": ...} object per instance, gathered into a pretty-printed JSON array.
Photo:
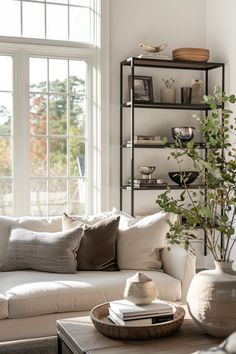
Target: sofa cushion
[
  {"x": 3, "y": 306},
  {"x": 44, "y": 251},
  {"x": 32, "y": 293},
  {"x": 126, "y": 220},
  {"x": 52, "y": 224},
  {"x": 139, "y": 245},
  {"x": 97, "y": 249}
]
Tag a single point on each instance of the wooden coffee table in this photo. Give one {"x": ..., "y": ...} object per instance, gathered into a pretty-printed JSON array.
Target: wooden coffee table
[{"x": 78, "y": 336}]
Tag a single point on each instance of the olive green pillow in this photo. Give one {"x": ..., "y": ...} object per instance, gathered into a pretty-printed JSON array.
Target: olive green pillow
[{"x": 97, "y": 249}]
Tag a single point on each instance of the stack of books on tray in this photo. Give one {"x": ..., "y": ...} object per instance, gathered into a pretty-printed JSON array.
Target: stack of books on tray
[
  {"x": 147, "y": 183},
  {"x": 126, "y": 313},
  {"x": 146, "y": 140}
]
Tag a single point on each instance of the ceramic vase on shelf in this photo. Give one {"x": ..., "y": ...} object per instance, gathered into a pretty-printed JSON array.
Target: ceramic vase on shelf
[
  {"x": 140, "y": 289},
  {"x": 168, "y": 95},
  {"x": 212, "y": 300}
]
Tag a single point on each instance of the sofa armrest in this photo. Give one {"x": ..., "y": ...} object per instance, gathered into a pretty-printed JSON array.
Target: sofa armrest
[{"x": 180, "y": 264}]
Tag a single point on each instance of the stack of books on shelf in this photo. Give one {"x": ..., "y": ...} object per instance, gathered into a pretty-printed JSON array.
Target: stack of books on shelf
[
  {"x": 126, "y": 313},
  {"x": 147, "y": 182},
  {"x": 146, "y": 140}
]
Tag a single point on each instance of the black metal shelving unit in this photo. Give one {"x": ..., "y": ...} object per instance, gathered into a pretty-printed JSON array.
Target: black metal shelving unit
[{"x": 134, "y": 62}]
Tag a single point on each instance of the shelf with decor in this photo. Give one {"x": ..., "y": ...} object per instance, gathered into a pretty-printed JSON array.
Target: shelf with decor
[
  {"x": 160, "y": 105},
  {"x": 169, "y": 145},
  {"x": 161, "y": 187},
  {"x": 133, "y": 104}
]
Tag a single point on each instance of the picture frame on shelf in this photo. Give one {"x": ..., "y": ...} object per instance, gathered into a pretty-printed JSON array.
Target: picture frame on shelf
[{"x": 143, "y": 88}]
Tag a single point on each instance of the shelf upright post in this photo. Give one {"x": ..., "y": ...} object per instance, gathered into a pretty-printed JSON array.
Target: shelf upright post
[
  {"x": 121, "y": 135},
  {"x": 206, "y": 158},
  {"x": 222, "y": 154},
  {"x": 132, "y": 137}
]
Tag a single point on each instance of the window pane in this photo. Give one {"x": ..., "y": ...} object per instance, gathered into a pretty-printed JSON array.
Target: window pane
[
  {"x": 77, "y": 78},
  {"x": 77, "y": 116},
  {"x": 5, "y": 156},
  {"x": 80, "y": 2},
  {"x": 38, "y": 114},
  {"x": 57, "y": 196},
  {"x": 6, "y": 197},
  {"x": 57, "y": 115},
  {"x": 10, "y": 18},
  {"x": 58, "y": 75},
  {"x": 38, "y": 74},
  {"x": 58, "y": 1},
  {"x": 5, "y": 113},
  {"x": 80, "y": 24},
  {"x": 38, "y": 197},
  {"x": 33, "y": 20},
  {"x": 5, "y": 73},
  {"x": 77, "y": 157},
  {"x": 38, "y": 157},
  {"x": 77, "y": 196},
  {"x": 58, "y": 157},
  {"x": 57, "y": 22}
]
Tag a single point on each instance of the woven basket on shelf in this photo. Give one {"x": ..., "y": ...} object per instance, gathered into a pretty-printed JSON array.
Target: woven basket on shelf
[
  {"x": 99, "y": 316},
  {"x": 192, "y": 54}
]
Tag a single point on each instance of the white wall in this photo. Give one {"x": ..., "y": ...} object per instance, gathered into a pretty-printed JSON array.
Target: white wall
[
  {"x": 179, "y": 24},
  {"x": 220, "y": 39}
]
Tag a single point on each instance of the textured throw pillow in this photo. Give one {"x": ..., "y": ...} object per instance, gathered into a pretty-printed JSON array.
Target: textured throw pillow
[
  {"x": 97, "y": 250},
  {"x": 71, "y": 221},
  {"x": 43, "y": 251},
  {"x": 138, "y": 246},
  {"x": 41, "y": 224}
]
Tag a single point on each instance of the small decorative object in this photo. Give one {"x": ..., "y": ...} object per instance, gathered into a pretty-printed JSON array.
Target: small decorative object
[
  {"x": 152, "y": 49},
  {"x": 184, "y": 177},
  {"x": 183, "y": 133},
  {"x": 140, "y": 289},
  {"x": 186, "y": 94},
  {"x": 168, "y": 93},
  {"x": 227, "y": 347},
  {"x": 212, "y": 300},
  {"x": 147, "y": 171},
  {"x": 192, "y": 54},
  {"x": 197, "y": 94},
  {"x": 212, "y": 294},
  {"x": 143, "y": 88}
]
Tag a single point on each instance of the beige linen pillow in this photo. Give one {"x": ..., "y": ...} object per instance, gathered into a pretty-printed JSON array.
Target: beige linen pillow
[
  {"x": 138, "y": 246},
  {"x": 97, "y": 250},
  {"x": 41, "y": 224},
  {"x": 42, "y": 251}
]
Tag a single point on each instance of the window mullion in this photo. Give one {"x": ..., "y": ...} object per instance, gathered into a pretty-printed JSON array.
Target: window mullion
[{"x": 21, "y": 135}]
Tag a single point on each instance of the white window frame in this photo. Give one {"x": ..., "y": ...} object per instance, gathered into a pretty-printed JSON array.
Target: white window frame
[{"x": 98, "y": 150}]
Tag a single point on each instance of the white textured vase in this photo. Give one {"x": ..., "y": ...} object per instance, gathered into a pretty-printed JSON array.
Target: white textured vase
[
  {"x": 140, "y": 289},
  {"x": 212, "y": 300}
]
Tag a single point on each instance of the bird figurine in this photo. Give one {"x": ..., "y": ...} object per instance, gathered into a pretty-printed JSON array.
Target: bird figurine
[{"x": 152, "y": 49}]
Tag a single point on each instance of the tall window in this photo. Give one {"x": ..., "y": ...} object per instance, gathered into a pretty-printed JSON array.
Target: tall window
[
  {"x": 6, "y": 135},
  {"x": 57, "y": 130},
  {"x": 46, "y": 129}
]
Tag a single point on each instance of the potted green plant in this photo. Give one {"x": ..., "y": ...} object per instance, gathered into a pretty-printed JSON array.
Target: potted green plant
[{"x": 213, "y": 209}]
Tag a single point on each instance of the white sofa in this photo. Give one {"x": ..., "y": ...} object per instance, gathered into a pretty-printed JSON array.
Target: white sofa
[{"x": 32, "y": 301}]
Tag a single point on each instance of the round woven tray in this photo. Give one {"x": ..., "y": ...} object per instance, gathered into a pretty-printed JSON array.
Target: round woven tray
[
  {"x": 99, "y": 316},
  {"x": 192, "y": 54}
]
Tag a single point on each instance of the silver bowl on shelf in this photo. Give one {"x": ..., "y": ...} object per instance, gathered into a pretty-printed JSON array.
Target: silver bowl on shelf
[
  {"x": 183, "y": 133},
  {"x": 146, "y": 171}
]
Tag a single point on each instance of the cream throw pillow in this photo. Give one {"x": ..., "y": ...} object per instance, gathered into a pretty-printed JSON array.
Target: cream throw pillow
[{"x": 138, "y": 246}]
